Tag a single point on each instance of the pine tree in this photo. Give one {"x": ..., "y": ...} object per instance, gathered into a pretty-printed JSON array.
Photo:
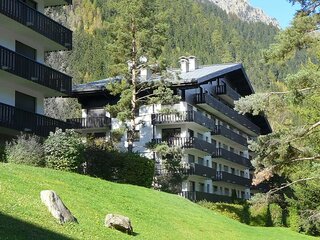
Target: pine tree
[{"x": 137, "y": 36}]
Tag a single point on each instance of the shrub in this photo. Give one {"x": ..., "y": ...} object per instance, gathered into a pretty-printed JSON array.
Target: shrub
[
  {"x": 25, "y": 149},
  {"x": 128, "y": 168},
  {"x": 239, "y": 212},
  {"x": 64, "y": 150},
  {"x": 293, "y": 219},
  {"x": 260, "y": 215},
  {"x": 276, "y": 215}
]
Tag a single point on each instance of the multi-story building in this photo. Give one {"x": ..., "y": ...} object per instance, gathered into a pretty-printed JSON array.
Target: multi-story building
[
  {"x": 212, "y": 135},
  {"x": 25, "y": 35}
]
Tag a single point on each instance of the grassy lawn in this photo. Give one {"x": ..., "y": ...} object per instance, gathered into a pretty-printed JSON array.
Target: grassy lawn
[{"x": 154, "y": 215}]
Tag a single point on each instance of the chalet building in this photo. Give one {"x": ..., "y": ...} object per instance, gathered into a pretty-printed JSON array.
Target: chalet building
[
  {"x": 204, "y": 124},
  {"x": 25, "y": 35}
]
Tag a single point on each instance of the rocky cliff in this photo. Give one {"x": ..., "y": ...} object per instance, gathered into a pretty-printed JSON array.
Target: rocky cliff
[{"x": 245, "y": 11}]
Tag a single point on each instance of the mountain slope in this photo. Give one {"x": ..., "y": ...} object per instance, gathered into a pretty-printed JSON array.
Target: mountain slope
[
  {"x": 154, "y": 215},
  {"x": 244, "y": 11}
]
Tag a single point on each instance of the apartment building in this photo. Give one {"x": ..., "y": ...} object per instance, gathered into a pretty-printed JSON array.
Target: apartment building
[
  {"x": 212, "y": 135},
  {"x": 25, "y": 81}
]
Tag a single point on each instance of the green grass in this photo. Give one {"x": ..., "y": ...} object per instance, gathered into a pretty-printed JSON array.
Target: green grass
[{"x": 154, "y": 215}]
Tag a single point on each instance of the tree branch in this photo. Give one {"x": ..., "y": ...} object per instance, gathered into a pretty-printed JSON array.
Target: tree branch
[{"x": 272, "y": 191}]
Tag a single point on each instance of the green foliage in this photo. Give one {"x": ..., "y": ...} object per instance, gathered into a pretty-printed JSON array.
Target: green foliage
[
  {"x": 276, "y": 214},
  {"x": 238, "y": 212},
  {"x": 64, "y": 150},
  {"x": 25, "y": 149},
  {"x": 110, "y": 165},
  {"x": 172, "y": 175},
  {"x": 293, "y": 219},
  {"x": 260, "y": 216}
]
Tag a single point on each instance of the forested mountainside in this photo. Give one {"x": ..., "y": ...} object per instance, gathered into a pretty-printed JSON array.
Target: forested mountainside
[{"x": 196, "y": 27}]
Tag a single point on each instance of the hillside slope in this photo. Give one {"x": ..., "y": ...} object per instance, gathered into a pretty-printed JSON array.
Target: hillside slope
[{"x": 155, "y": 215}]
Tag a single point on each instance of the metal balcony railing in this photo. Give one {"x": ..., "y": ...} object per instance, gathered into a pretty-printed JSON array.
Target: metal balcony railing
[
  {"x": 214, "y": 103},
  {"x": 231, "y": 178},
  {"x": 232, "y": 157},
  {"x": 90, "y": 122},
  {"x": 20, "y": 120},
  {"x": 188, "y": 142},
  {"x": 33, "y": 71},
  {"x": 37, "y": 21},
  {"x": 188, "y": 116},
  {"x": 228, "y": 133}
]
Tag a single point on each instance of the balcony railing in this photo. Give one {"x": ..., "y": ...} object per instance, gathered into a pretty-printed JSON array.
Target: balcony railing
[
  {"x": 189, "y": 116},
  {"x": 228, "y": 133},
  {"x": 199, "y": 196},
  {"x": 90, "y": 122},
  {"x": 230, "y": 156},
  {"x": 231, "y": 178},
  {"x": 227, "y": 111},
  {"x": 26, "y": 68},
  {"x": 37, "y": 21},
  {"x": 20, "y": 120},
  {"x": 188, "y": 142},
  {"x": 225, "y": 89},
  {"x": 201, "y": 170}
]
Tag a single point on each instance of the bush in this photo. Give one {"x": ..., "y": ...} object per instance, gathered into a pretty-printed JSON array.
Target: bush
[
  {"x": 260, "y": 215},
  {"x": 127, "y": 168},
  {"x": 64, "y": 150},
  {"x": 239, "y": 212},
  {"x": 25, "y": 149},
  {"x": 276, "y": 214},
  {"x": 293, "y": 219}
]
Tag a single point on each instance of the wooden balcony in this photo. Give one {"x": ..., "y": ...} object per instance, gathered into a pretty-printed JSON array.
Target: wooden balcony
[
  {"x": 91, "y": 122},
  {"x": 183, "y": 117},
  {"x": 34, "y": 72},
  {"x": 226, "y": 93},
  {"x": 188, "y": 142},
  {"x": 229, "y": 134},
  {"x": 232, "y": 178},
  {"x": 23, "y": 121},
  {"x": 221, "y": 110},
  {"x": 232, "y": 157},
  {"x": 37, "y": 21}
]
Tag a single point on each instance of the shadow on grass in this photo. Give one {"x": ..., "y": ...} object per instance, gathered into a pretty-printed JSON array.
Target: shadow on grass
[{"x": 15, "y": 229}]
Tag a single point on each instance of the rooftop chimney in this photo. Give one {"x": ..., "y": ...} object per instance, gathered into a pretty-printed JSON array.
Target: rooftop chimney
[
  {"x": 184, "y": 64},
  {"x": 192, "y": 63}
]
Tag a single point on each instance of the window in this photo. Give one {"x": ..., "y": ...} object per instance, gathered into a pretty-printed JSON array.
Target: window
[
  {"x": 136, "y": 137},
  {"x": 215, "y": 189},
  {"x": 225, "y": 168},
  {"x": 225, "y": 146},
  {"x": 25, "y": 102},
  {"x": 231, "y": 149},
  {"x": 200, "y": 160},
  {"x": 214, "y": 165},
  {"x": 200, "y": 136},
  {"x": 190, "y": 158},
  {"x": 233, "y": 171},
  {"x": 26, "y": 51},
  {"x": 226, "y": 191},
  {"x": 201, "y": 187},
  {"x": 190, "y": 133},
  {"x": 242, "y": 173},
  {"x": 241, "y": 153},
  {"x": 170, "y": 133},
  {"x": 208, "y": 188},
  {"x": 192, "y": 186},
  {"x": 30, "y": 3}
]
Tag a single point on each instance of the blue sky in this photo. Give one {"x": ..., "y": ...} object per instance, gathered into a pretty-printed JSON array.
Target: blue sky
[{"x": 282, "y": 10}]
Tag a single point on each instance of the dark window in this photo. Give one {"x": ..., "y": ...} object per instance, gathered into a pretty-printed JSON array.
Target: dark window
[
  {"x": 242, "y": 173},
  {"x": 225, "y": 168},
  {"x": 200, "y": 136},
  {"x": 26, "y": 51},
  {"x": 226, "y": 191},
  {"x": 192, "y": 186},
  {"x": 190, "y": 133},
  {"x": 233, "y": 171},
  {"x": 30, "y": 3},
  {"x": 171, "y": 133},
  {"x": 136, "y": 136},
  {"x": 201, "y": 187},
  {"x": 25, "y": 102},
  {"x": 200, "y": 160},
  {"x": 190, "y": 158}
]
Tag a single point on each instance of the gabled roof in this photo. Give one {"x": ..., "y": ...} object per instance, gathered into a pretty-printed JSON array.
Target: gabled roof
[{"x": 99, "y": 85}]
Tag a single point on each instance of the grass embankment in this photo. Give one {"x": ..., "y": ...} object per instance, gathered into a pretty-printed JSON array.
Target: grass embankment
[{"x": 155, "y": 215}]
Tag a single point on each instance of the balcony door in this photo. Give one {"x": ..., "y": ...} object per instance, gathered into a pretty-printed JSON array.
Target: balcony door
[
  {"x": 25, "y": 102},
  {"x": 25, "y": 120},
  {"x": 26, "y": 51}
]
